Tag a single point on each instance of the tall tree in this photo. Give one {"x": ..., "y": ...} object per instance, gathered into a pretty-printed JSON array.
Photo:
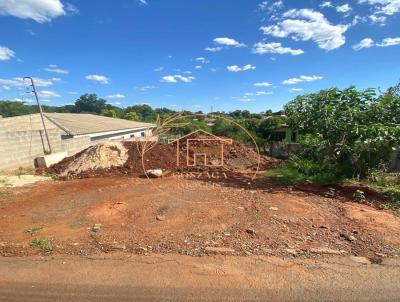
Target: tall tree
[{"x": 89, "y": 103}]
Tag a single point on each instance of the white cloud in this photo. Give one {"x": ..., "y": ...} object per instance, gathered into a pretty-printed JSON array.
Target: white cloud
[
  {"x": 98, "y": 78},
  {"x": 345, "y": 8},
  {"x": 5, "y": 87},
  {"x": 198, "y": 67},
  {"x": 39, "y": 10},
  {"x": 296, "y": 90},
  {"x": 6, "y": 53},
  {"x": 380, "y": 20},
  {"x": 246, "y": 99},
  {"x": 202, "y": 60},
  {"x": 142, "y": 2},
  {"x": 161, "y": 68},
  {"x": 326, "y": 4},
  {"x": 148, "y": 87},
  {"x": 21, "y": 100},
  {"x": 19, "y": 82},
  {"x": 364, "y": 43},
  {"x": 277, "y": 48},
  {"x": 168, "y": 79},
  {"x": 389, "y": 42},
  {"x": 228, "y": 42},
  {"x": 262, "y": 84},
  {"x": 302, "y": 78},
  {"x": 258, "y": 93},
  {"x": 307, "y": 24},
  {"x": 175, "y": 78},
  {"x": 386, "y": 7},
  {"x": 48, "y": 94},
  {"x": 269, "y": 7},
  {"x": 213, "y": 49},
  {"x": 236, "y": 68},
  {"x": 368, "y": 42},
  {"x": 116, "y": 96},
  {"x": 55, "y": 69}
]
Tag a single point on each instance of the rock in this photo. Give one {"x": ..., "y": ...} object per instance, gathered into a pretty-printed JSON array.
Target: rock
[
  {"x": 219, "y": 250},
  {"x": 273, "y": 208},
  {"x": 96, "y": 227},
  {"x": 361, "y": 260},
  {"x": 141, "y": 249},
  {"x": 327, "y": 251},
  {"x": 160, "y": 218},
  {"x": 350, "y": 238},
  {"x": 251, "y": 231},
  {"x": 154, "y": 173},
  {"x": 292, "y": 252},
  {"x": 380, "y": 255}
]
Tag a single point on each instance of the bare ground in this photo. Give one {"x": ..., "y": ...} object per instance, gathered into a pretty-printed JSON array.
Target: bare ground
[{"x": 189, "y": 216}]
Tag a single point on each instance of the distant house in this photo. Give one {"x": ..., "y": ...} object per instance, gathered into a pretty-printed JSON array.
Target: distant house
[
  {"x": 22, "y": 138},
  {"x": 283, "y": 142}
]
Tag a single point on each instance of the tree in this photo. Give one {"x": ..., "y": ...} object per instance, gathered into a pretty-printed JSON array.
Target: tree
[
  {"x": 109, "y": 113},
  {"x": 132, "y": 116},
  {"x": 357, "y": 128},
  {"x": 89, "y": 103},
  {"x": 144, "y": 111},
  {"x": 12, "y": 108}
]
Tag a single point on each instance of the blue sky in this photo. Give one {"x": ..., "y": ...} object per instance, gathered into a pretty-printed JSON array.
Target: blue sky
[{"x": 241, "y": 54}]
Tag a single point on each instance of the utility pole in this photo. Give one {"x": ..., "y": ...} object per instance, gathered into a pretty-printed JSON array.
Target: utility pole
[{"x": 40, "y": 111}]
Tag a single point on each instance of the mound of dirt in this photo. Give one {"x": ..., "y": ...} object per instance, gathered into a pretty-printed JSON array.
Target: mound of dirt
[
  {"x": 129, "y": 158},
  {"x": 97, "y": 157}
]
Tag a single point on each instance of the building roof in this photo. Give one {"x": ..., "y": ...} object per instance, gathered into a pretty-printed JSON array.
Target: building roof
[
  {"x": 29, "y": 122},
  {"x": 82, "y": 123}
]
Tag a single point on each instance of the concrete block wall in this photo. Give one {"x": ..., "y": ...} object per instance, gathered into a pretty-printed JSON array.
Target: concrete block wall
[
  {"x": 20, "y": 148},
  {"x": 75, "y": 145}
]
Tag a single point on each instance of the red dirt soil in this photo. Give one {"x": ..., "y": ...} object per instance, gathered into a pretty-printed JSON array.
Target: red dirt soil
[{"x": 185, "y": 216}]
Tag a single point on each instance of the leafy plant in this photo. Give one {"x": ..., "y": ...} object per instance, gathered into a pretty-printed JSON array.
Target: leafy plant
[
  {"x": 355, "y": 128},
  {"x": 359, "y": 196},
  {"x": 34, "y": 230},
  {"x": 45, "y": 245},
  {"x": 80, "y": 221}
]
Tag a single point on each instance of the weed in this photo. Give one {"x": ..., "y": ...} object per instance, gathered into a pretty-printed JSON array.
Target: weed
[
  {"x": 305, "y": 171},
  {"x": 359, "y": 196},
  {"x": 44, "y": 245},
  {"x": 34, "y": 230},
  {"x": 80, "y": 221},
  {"x": 5, "y": 193}
]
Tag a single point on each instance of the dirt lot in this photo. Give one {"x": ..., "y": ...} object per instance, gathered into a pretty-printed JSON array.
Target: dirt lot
[{"x": 190, "y": 217}]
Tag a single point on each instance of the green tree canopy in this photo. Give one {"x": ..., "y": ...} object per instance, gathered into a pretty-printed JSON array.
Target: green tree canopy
[
  {"x": 89, "y": 103},
  {"x": 357, "y": 127}
]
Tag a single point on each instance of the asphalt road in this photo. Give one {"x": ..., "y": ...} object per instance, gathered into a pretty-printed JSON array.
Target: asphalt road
[{"x": 122, "y": 277}]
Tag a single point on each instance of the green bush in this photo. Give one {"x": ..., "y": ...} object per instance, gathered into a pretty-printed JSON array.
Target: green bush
[{"x": 307, "y": 171}]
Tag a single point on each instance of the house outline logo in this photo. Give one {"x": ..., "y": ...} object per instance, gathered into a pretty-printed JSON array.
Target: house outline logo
[{"x": 191, "y": 161}]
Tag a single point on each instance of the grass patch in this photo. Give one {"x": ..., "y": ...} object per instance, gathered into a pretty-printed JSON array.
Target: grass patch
[
  {"x": 306, "y": 172},
  {"x": 80, "y": 221},
  {"x": 388, "y": 183},
  {"x": 45, "y": 245},
  {"x": 5, "y": 193},
  {"x": 34, "y": 230}
]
